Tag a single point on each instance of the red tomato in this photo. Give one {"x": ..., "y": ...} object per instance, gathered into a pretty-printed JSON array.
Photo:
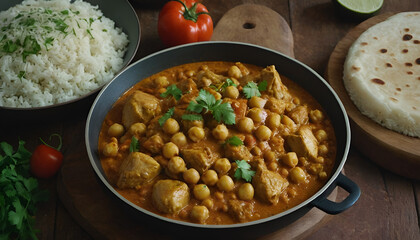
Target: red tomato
[
  {"x": 183, "y": 22},
  {"x": 46, "y": 161}
]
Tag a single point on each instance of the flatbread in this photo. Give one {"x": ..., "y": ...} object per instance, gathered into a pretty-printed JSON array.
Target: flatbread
[{"x": 382, "y": 73}]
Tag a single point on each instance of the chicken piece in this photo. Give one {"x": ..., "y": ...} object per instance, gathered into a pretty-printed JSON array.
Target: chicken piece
[
  {"x": 275, "y": 105},
  {"x": 237, "y": 152},
  {"x": 170, "y": 196},
  {"x": 199, "y": 158},
  {"x": 137, "y": 169},
  {"x": 244, "y": 70},
  {"x": 187, "y": 85},
  {"x": 268, "y": 185},
  {"x": 304, "y": 143},
  {"x": 140, "y": 107},
  {"x": 243, "y": 211},
  {"x": 275, "y": 87},
  {"x": 213, "y": 77},
  {"x": 154, "y": 144},
  {"x": 300, "y": 115}
]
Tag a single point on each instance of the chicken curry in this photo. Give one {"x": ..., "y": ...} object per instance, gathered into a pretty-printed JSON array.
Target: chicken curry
[{"x": 217, "y": 143}]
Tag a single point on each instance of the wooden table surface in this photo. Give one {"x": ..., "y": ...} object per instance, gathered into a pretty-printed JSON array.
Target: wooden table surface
[{"x": 389, "y": 207}]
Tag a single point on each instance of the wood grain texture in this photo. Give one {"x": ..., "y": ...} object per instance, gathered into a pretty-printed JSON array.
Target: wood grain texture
[
  {"x": 391, "y": 150},
  {"x": 255, "y": 24}
]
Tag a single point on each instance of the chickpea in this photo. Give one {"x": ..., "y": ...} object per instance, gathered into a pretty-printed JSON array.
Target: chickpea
[
  {"x": 179, "y": 139},
  {"x": 225, "y": 183},
  {"x": 219, "y": 195},
  {"x": 199, "y": 214},
  {"x": 256, "y": 151},
  {"x": 191, "y": 176},
  {"x": 297, "y": 175},
  {"x": 316, "y": 116},
  {"x": 111, "y": 148},
  {"x": 257, "y": 115},
  {"x": 246, "y": 191},
  {"x": 222, "y": 166},
  {"x": 321, "y": 135},
  {"x": 161, "y": 90},
  {"x": 161, "y": 81},
  {"x": 116, "y": 130},
  {"x": 273, "y": 166},
  {"x": 171, "y": 126},
  {"x": 176, "y": 165},
  {"x": 190, "y": 73},
  {"x": 256, "y": 102},
  {"x": 290, "y": 159},
  {"x": 231, "y": 92},
  {"x": 286, "y": 120},
  {"x": 284, "y": 172},
  {"x": 210, "y": 177},
  {"x": 189, "y": 124},
  {"x": 322, "y": 149},
  {"x": 208, "y": 202},
  {"x": 201, "y": 191},
  {"x": 263, "y": 133},
  {"x": 137, "y": 129},
  {"x": 234, "y": 72},
  {"x": 245, "y": 125},
  {"x": 196, "y": 134},
  {"x": 273, "y": 121},
  {"x": 270, "y": 156},
  {"x": 319, "y": 159},
  {"x": 170, "y": 150},
  {"x": 322, "y": 175},
  {"x": 296, "y": 101},
  {"x": 220, "y": 132}
]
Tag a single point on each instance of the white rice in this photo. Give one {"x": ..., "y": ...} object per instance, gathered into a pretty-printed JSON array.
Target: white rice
[{"x": 74, "y": 50}]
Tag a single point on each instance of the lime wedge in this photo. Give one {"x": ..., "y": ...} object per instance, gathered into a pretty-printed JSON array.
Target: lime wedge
[{"x": 360, "y": 8}]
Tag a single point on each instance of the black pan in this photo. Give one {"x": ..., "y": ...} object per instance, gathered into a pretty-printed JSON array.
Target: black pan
[{"x": 246, "y": 53}]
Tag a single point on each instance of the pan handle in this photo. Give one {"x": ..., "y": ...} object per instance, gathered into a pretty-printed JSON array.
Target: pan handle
[{"x": 331, "y": 207}]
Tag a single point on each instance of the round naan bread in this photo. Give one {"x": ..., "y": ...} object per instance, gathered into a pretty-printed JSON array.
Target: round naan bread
[{"x": 382, "y": 73}]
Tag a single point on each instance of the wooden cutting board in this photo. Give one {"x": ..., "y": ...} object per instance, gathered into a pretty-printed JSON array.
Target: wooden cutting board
[
  {"x": 394, "y": 151},
  {"x": 89, "y": 202}
]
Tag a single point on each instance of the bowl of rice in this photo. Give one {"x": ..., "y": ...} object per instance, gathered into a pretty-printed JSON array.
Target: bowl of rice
[{"x": 57, "y": 52}]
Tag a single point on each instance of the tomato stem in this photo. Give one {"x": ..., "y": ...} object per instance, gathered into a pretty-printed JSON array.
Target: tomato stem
[
  {"x": 189, "y": 13},
  {"x": 59, "y": 138}
]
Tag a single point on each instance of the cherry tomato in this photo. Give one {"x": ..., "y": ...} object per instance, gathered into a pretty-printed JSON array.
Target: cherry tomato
[
  {"x": 46, "y": 160},
  {"x": 183, "y": 22}
]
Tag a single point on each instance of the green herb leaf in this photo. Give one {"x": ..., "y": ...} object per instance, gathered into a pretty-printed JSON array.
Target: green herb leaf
[
  {"x": 21, "y": 74},
  {"x": 234, "y": 141},
  {"x": 65, "y": 12},
  {"x": 166, "y": 116},
  {"x": 134, "y": 145},
  {"x": 60, "y": 25},
  {"x": 243, "y": 171},
  {"x": 222, "y": 112},
  {"x": 228, "y": 82},
  {"x": 20, "y": 193},
  {"x": 250, "y": 90},
  {"x": 9, "y": 47},
  {"x": 262, "y": 86},
  {"x": 172, "y": 90},
  {"x": 192, "y": 117},
  {"x": 30, "y": 46}
]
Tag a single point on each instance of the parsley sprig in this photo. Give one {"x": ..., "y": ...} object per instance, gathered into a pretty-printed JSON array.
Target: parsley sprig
[
  {"x": 19, "y": 194},
  {"x": 252, "y": 89},
  {"x": 172, "y": 90},
  {"x": 166, "y": 116},
  {"x": 243, "y": 171},
  {"x": 134, "y": 145},
  {"x": 234, "y": 141},
  {"x": 222, "y": 112}
]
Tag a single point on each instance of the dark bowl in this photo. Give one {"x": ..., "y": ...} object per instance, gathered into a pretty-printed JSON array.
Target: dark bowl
[
  {"x": 113, "y": 9},
  {"x": 246, "y": 53}
]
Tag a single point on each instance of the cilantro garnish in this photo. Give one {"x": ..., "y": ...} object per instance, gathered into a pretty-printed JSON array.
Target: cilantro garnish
[
  {"x": 30, "y": 46},
  {"x": 252, "y": 89},
  {"x": 192, "y": 117},
  {"x": 20, "y": 193},
  {"x": 134, "y": 145},
  {"x": 234, "y": 141},
  {"x": 166, "y": 116},
  {"x": 21, "y": 74},
  {"x": 244, "y": 171},
  {"x": 172, "y": 90},
  {"x": 222, "y": 112}
]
